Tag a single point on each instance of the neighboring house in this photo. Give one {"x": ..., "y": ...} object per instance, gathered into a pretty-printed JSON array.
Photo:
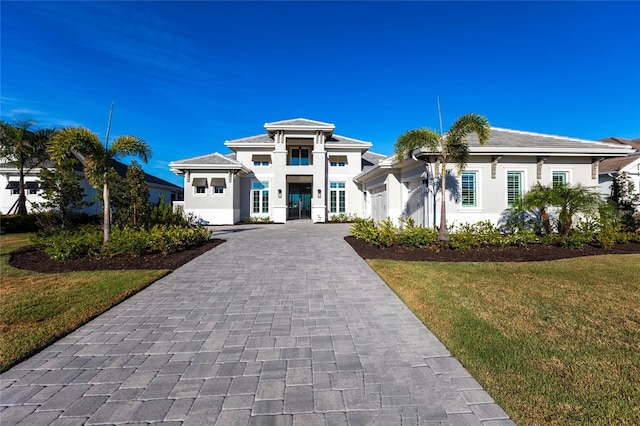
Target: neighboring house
[
  {"x": 300, "y": 169},
  {"x": 9, "y": 188},
  {"x": 630, "y": 165}
]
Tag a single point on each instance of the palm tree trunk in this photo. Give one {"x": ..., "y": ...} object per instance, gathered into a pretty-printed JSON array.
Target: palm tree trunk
[
  {"x": 107, "y": 212},
  {"x": 443, "y": 235},
  {"x": 22, "y": 198}
]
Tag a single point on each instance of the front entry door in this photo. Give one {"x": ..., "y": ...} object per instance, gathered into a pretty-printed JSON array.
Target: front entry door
[{"x": 299, "y": 201}]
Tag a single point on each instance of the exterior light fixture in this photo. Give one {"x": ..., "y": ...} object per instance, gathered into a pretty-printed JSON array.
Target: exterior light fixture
[
  {"x": 279, "y": 193},
  {"x": 319, "y": 193}
]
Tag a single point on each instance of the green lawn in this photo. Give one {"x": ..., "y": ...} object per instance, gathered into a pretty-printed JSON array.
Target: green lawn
[
  {"x": 553, "y": 342},
  {"x": 37, "y": 309}
]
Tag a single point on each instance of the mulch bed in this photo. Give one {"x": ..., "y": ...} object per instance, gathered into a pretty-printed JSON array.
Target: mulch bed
[
  {"x": 533, "y": 252},
  {"x": 34, "y": 259}
]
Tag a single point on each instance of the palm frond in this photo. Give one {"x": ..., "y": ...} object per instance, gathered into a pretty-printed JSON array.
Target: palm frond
[
  {"x": 470, "y": 123},
  {"x": 414, "y": 139},
  {"x": 71, "y": 139},
  {"x": 130, "y": 145}
]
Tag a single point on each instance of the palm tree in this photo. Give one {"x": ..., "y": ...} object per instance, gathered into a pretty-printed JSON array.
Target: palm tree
[
  {"x": 447, "y": 147},
  {"x": 574, "y": 200},
  {"x": 23, "y": 149},
  {"x": 98, "y": 159},
  {"x": 539, "y": 199}
]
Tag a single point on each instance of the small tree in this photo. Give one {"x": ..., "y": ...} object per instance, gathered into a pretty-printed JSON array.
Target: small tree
[
  {"x": 538, "y": 200},
  {"x": 61, "y": 188},
  {"x": 625, "y": 200},
  {"x": 134, "y": 206},
  {"x": 23, "y": 149}
]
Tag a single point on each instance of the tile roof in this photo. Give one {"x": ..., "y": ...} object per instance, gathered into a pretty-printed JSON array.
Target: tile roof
[
  {"x": 617, "y": 163},
  {"x": 299, "y": 122},
  {"x": 215, "y": 159},
  {"x": 249, "y": 140},
  {"x": 635, "y": 143},
  {"x": 346, "y": 140},
  {"x": 521, "y": 139}
]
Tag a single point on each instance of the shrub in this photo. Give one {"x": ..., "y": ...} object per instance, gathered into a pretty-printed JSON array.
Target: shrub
[
  {"x": 413, "y": 236},
  {"x": 12, "y": 224},
  {"x": 257, "y": 219},
  {"x": 342, "y": 218},
  {"x": 381, "y": 234},
  {"x": 68, "y": 244},
  {"x": 86, "y": 241}
]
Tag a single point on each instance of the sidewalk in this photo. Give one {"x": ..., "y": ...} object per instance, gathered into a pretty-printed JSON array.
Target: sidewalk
[{"x": 282, "y": 324}]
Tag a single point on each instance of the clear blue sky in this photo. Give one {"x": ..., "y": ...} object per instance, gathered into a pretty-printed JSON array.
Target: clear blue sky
[{"x": 186, "y": 76}]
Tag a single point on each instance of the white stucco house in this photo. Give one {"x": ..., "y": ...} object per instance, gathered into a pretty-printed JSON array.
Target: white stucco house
[
  {"x": 9, "y": 188},
  {"x": 301, "y": 169}
]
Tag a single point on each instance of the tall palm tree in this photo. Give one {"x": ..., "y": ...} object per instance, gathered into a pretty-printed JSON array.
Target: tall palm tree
[
  {"x": 23, "y": 149},
  {"x": 97, "y": 158},
  {"x": 450, "y": 146}
]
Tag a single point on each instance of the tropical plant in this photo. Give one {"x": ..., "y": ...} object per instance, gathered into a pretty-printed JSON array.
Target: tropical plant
[
  {"x": 24, "y": 149},
  {"x": 98, "y": 159},
  {"x": 574, "y": 200},
  {"x": 568, "y": 200},
  {"x": 538, "y": 200},
  {"x": 450, "y": 146},
  {"x": 61, "y": 191},
  {"x": 625, "y": 199}
]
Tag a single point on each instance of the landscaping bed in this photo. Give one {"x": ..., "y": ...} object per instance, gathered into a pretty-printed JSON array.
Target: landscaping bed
[
  {"x": 526, "y": 253},
  {"x": 34, "y": 259}
]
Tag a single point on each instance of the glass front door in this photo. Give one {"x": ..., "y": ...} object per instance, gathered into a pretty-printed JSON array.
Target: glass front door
[{"x": 299, "y": 199}]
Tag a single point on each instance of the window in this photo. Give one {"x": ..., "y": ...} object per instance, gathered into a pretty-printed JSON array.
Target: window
[
  {"x": 469, "y": 189},
  {"x": 200, "y": 185},
  {"x": 338, "y": 161},
  {"x": 218, "y": 184},
  {"x": 559, "y": 178},
  {"x": 514, "y": 187},
  {"x": 299, "y": 157},
  {"x": 260, "y": 197},
  {"x": 337, "y": 197},
  {"x": 261, "y": 160}
]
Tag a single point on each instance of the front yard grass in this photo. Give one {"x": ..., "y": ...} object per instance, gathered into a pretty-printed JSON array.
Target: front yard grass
[
  {"x": 37, "y": 309},
  {"x": 554, "y": 342}
]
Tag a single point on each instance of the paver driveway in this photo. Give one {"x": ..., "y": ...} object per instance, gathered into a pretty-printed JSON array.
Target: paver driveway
[{"x": 282, "y": 324}]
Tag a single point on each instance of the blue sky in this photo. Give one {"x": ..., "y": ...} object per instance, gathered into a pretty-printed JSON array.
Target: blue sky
[{"x": 186, "y": 76}]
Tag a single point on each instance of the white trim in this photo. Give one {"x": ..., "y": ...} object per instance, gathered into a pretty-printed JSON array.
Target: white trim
[
  {"x": 523, "y": 182},
  {"x": 478, "y": 189}
]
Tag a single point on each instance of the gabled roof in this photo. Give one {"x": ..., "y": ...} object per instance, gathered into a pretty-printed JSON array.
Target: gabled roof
[{"x": 611, "y": 165}]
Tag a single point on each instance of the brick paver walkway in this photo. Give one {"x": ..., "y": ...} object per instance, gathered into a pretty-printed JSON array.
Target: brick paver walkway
[{"x": 282, "y": 324}]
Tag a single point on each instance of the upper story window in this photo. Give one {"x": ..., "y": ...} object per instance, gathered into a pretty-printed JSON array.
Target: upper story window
[
  {"x": 261, "y": 160},
  {"x": 469, "y": 189},
  {"x": 338, "y": 161},
  {"x": 299, "y": 156},
  {"x": 559, "y": 178}
]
